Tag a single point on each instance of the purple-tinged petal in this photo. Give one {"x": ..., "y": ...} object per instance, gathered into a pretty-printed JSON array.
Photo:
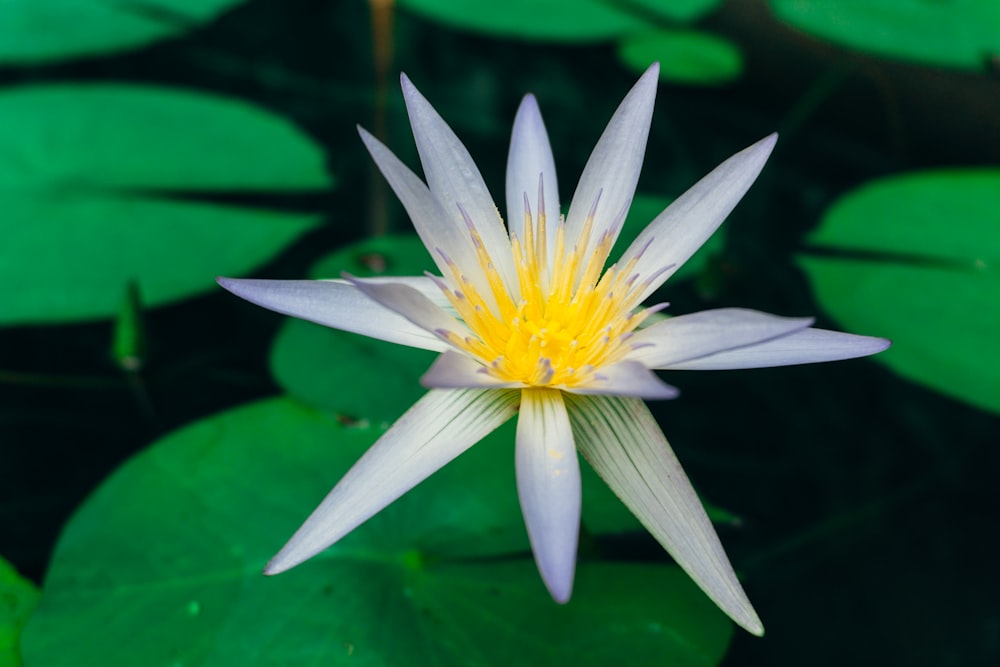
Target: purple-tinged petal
[
  {"x": 410, "y": 304},
  {"x": 334, "y": 304},
  {"x": 530, "y": 164},
  {"x": 626, "y": 378},
  {"x": 441, "y": 231},
  {"x": 612, "y": 172},
  {"x": 622, "y": 441},
  {"x": 686, "y": 224},
  {"x": 439, "y": 427},
  {"x": 548, "y": 485},
  {"x": 678, "y": 339},
  {"x": 807, "y": 346},
  {"x": 455, "y": 180},
  {"x": 455, "y": 370}
]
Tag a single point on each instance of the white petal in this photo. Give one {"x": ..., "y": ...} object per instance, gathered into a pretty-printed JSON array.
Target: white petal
[
  {"x": 678, "y": 339},
  {"x": 686, "y": 224},
  {"x": 808, "y": 346},
  {"x": 440, "y": 230},
  {"x": 627, "y": 378},
  {"x": 455, "y": 370},
  {"x": 455, "y": 180},
  {"x": 334, "y": 304},
  {"x": 439, "y": 427},
  {"x": 548, "y": 485},
  {"x": 623, "y": 443},
  {"x": 410, "y": 304},
  {"x": 530, "y": 159},
  {"x": 613, "y": 168}
]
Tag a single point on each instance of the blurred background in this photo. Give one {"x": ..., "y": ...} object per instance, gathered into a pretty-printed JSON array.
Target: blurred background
[{"x": 147, "y": 146}]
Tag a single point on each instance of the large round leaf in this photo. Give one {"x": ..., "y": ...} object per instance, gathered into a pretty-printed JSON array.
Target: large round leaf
[
  {"x": 685, "y": 56},
  {"x": 559, "y": 20},
  {"x": 86, "y": 173},
  {"x": 42, "y": 30},
  {"x": 922, "y": 251},
  {"x": 958, "y": 33},
  {"x": 162, "y": 566},
  {"x": 18, "y": 598},
  {"x": 555, "y": 20},
  {"x": 316, "y": 363}
]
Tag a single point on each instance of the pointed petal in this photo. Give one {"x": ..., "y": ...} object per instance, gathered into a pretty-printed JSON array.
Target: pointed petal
[
  {"x": 455, "y": 370},
  {"x": 333, "y": 304},
  {"x": 627, "y": 378},
  {"x": 807, "y": 346},
  {"x": 622, "y": 441},
  {"x": 530, "y": 157},
  {"x": 678, "y": 339},
  {"x": 455, "y": 180},
  {"x": 410, "y": 304},
  {"x": 441, "y": 231},
  {"x": 613, "y": 168},
  {"x": 548, "y": 485},
  {"x": 687, "y": 223},
  {"x": 439, "y": 427}
]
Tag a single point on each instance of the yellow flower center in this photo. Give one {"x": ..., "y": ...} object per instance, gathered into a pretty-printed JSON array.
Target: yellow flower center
[{"x": 569, "y": 320}]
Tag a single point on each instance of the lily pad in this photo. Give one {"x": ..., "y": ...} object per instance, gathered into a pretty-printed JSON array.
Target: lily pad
[
  {"x": 358, "y": 377},
  {"x": 685, "y": 56},
  {"x": 916, "y": 261},
  {"x": 162, "y": 566},
  {"x": 18, "y": 598},
  {"x": 99, "y": 185},
  {"x": 958, "y": 33},
  {"x": 45, "y": 30},
  {"x": 559, "y": 20}
]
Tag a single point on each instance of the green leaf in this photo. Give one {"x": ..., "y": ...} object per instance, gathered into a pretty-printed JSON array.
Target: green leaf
[
  {"x": 548, "y": 20},
  {"x": 18, "y": 598},
  {"x": 685, "y": 56},
  {"x": 925, "y": 249},
  {"x": 643, "y": 211},
  {"x": 162, "y": 566},
  {"x": 957, "y": 33},
  {"x": 355, "y": 376},
  {"x": 92, "y": 198},
  {"x": 44, "y": 30}
]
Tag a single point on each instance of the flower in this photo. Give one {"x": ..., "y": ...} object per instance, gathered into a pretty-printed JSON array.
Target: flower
[{"x": 528, "y": 320}]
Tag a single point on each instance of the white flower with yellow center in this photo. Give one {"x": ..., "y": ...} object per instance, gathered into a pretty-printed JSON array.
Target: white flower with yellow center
[{"x": 529, "y": 320}]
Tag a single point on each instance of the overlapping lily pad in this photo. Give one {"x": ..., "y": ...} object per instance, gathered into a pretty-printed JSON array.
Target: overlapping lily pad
[
  {"x": 162, "y": 566},
  {"x": 98, "y": 187},
  {"x": 45, "y": 30},
  {"x": 915, "y": 259},
  {"x": 18, "y": 598},
  {"x": 960, "y": 33}
]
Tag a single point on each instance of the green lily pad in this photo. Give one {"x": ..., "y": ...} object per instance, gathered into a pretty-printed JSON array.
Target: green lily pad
[
  {"x": 559, "y": 20},
  {"x": 549, "y": 20},
  {"x": 18, "y": 598},
  {"x": 958, "y": 33},
  {"x": 95, "y": 200},
  {"x": 917, "y": 259},
  {"x": 685, "y": 56},
  {"x": 162, "y": 566},
  {"x": 357, "y": 377},
  {"x": 45, "y": 30}
]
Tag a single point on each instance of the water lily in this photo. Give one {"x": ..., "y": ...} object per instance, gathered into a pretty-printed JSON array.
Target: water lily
[{"x": 529, "y": 319}]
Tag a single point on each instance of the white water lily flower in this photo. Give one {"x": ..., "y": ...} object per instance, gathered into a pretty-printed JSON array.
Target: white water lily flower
[{"x": 528, "y": 319}]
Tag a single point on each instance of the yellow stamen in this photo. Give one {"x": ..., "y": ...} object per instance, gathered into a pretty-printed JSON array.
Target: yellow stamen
[{"x": 568, "y": 320}]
